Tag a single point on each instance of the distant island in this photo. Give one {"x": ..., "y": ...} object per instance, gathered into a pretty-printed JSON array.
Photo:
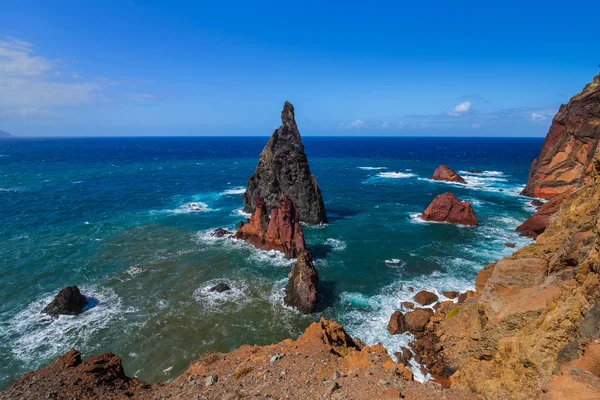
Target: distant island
[{"x": 4, "y": 134}]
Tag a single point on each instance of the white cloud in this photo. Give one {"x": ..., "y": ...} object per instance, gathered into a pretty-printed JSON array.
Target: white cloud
[
  {"x": 29, "y": 84},
  {"x": 461, "y": 108},
  {"x": 536, "y": 116},
  {"x": 356, "y": 124},
  {"x": 29, "y": 112}
]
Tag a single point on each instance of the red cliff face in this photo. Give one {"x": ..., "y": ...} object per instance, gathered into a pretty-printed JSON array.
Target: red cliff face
[
  {"x": 567, "y": 152},
  {"x": 281, "y": 231},
  {"x": 447, "y": 208},
  {"x": 445, "y": 173}
]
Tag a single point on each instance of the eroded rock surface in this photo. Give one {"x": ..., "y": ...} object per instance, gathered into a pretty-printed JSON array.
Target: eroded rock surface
[
  {"x": 281, "y": 231},
  {"x": 447, "y": 208},
  {"x": 283, "y": 170},
  {"x": 445, "y": 173},
  {"x": 301, "y": 290}
]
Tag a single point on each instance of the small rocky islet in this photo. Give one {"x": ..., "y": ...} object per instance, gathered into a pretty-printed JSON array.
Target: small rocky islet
[{"x": 528, "y": 330}]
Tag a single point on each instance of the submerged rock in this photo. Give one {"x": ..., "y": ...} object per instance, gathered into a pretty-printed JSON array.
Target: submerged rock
[
  {"x": 220, "y": 288},
  {"x": 281, "y": 231},
  {"x": 220, "y": 232},
  {"x": 445, "y": 173},
  {"x": 475, "y": 171},
  {"x": 301, "y": 290},
  {"x": 283, "y": 170},
  {"x": 69, "y": 301},
  {"x": 447, "y": 208}
]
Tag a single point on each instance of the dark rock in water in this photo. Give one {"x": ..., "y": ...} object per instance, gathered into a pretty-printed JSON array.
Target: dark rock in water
[
  {"x": 220, "y": 288},
  {"x": 283, "y": 170},
  {"x": 445, "y": 173},
  {"x": 281, "y": 231},
  {"x": 301, "y": 290},
  {"x": 220, "y": 232},
  {"x": 537, "y": 203},
  {"x": 511, "y": 245},
  {"x": 425, "y": 298},
  {"x": 69, "y": 301},
  {"x": 447, "y": 208},
  {"x": 474, "y": 171}
]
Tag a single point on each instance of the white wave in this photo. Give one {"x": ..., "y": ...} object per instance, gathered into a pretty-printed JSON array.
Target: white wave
[
  {"x": 236, "y": 296},
  {"x": 395, "y": 263},
  {"x": 76, "y": 182},
  {"x": 235, "y": 190},
  {"x": 193, "y": 207},
  {"x": 240, "y": 212},
  {"x": 371, "y": 168},
  {"x": 336, "y": 244},
  {"x": 272, "y": 257},
  {"x": 207, "y": 236},
  {"x": 35, "y": 336},
  {"x": 395, "y": 175},
  {"x": 415, "y": 218},
  {"x": 482, "y": 173}
]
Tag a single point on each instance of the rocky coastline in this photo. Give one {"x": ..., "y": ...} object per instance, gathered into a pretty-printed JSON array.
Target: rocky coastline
[{"x": 531, "y": 329}]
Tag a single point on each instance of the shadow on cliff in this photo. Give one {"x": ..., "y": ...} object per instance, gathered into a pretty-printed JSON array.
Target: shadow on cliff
[{"x": 327, "y": 294}]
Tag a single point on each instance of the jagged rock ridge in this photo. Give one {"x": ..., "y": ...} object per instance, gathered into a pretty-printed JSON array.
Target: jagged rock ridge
[{"x": 283, "y": 170}]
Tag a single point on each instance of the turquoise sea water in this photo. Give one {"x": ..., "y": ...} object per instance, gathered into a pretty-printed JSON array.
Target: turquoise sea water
[{"x": 114, "y": 217}]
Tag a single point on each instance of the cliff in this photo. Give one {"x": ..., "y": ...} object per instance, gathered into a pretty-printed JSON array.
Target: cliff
[
  {"x": 283, "y": 170},
  {"x": 323, "y": 362},
  {"x": 570, "y": 145}
]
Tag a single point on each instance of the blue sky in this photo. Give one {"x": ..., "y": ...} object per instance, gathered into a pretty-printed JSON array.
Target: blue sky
[{"x": 460, "y": 68}]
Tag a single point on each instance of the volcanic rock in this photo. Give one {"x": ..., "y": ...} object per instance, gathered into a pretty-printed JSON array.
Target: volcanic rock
[
  {"x": 444, "y": 173},
  {"x": 396, "y": 324},
  {"x": 537, "y": 223},
  {"x": 282, "y": 231},
  {"x": 571, "y": 143},
  {"x": 301, "y": 290},
  {"x": 69, "y": 301},
  {"x": 220, "y": 232},
  {"x": 425, "y": 298},
  {"x": 447, "y": 208},
  {"x": 283, "y": 170},
  {"x": 451, "y": 294},
  {"x": 537, "y": 203},
  {"x": 220, "y": 288},
  {"x": 416, "y": 320}
]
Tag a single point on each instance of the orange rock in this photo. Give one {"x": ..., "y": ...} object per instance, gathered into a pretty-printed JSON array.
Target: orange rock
[
  {"x": 445, "y": 173},
  {"x": 447, "y": 208}
]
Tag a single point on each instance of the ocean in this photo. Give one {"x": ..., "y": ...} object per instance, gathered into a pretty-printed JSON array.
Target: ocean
[{"x": 128, "y": 221}]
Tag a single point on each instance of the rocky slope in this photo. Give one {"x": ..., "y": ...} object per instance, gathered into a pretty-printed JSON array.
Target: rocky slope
[
  {"x": 323, "y": 362},
  {"x": 283, "y": 170},
  {"x": 572, "y": 141}
]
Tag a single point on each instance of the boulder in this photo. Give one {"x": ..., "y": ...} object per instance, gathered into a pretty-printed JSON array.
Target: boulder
[
  {"x": 281, "y": 231},
  {"x": 447, "y": 208},
  {"x": 425, "y": 298},
  {"x": 301, "y": 290},
  {"x": 444, "y": 173},
  {"x": 69, "y": 301},
  {"x": 283, "y": 170},
  {"x": 537, "y": 223},
  {"x": 451, "y": 294},
  {"x": 396, "y": 324},
  {"x": 407, "y": 305},
  {"x": 404, "y": 356},
  {"x": 416, "y": 320},
  {"x": 220, "y": 288},
  {"x": 537, "y": 203},
  {"x": 465, "y": 296},
  {"x": 511, "y": 245}
]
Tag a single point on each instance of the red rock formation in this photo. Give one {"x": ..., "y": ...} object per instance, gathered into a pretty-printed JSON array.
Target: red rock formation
[
  {"x": 537, "y": 223},
  {"x": 425, "y": 298},
  {"x": 447, "y": 208},
  {"x": 282, "y": 231},
  {"x": 445, "y": 173},
  {"x": 569, "y": 148}
]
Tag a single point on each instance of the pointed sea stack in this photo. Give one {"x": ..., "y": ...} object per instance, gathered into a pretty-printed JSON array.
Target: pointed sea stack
[
  {"x": 301, "y": 290},
  {"x": 571, "y": 143},
  {"x": 283, "y": 170},
  {"x": 445, "y": 173},
  {"x": 281, "y": 231},
  {"x": 447, "y": 208}
]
